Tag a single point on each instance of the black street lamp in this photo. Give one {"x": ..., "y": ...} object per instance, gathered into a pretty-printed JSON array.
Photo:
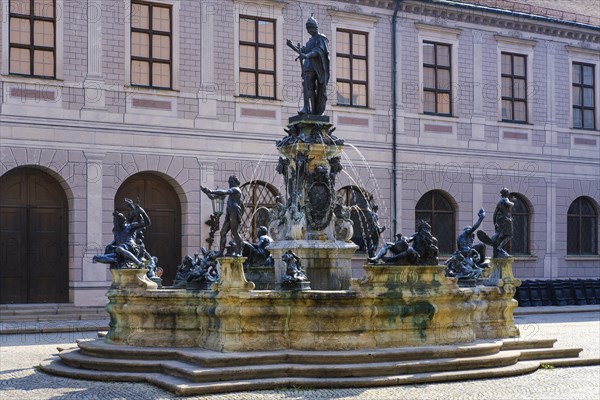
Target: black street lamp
[{"x": 218, "y": 203}]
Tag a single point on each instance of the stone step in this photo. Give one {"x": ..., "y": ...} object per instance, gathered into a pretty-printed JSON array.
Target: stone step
[
  {"x": 541, "y": 354},
  {"x": 184, "y": 387},
  {"x": 517, "y": 344},
  {"x": 208, "y": 358},
  {"x": 75, "y": 358},
  {"x": 74, "y": 316}
]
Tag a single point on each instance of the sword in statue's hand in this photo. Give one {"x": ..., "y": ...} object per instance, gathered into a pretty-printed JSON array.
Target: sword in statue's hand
[{"x": 297, "y": 48}]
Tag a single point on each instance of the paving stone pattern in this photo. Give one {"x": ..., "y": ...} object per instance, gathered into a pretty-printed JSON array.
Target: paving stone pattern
[{"x": 20, "y": 379}]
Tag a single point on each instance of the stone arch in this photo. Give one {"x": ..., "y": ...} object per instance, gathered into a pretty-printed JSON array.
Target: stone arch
[
  {"x": 160, "y": 199},
  {"x": 439, "y": 209},
  {"x": 34, "y": 225}
]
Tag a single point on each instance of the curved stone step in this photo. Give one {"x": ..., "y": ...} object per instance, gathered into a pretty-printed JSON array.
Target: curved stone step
[
  {"x": 541, "y": 354},
  {"x": 209, "y": 358},
  {"x": 191, "y": 372},
  {"x": 518, "y": 344},
  {"x": 182, "y": 386}
]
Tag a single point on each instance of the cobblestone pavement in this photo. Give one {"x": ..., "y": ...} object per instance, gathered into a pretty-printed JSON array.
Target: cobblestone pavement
[{"x": 20, "y": 379}]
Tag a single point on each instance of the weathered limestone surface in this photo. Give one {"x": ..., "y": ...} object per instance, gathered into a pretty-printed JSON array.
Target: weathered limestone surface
[
  {"x": 327, "y": 263},
  {"x": 393, "y": 306}
]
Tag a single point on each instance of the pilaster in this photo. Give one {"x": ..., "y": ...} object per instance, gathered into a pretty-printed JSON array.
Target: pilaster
[
  {"x": 478, "y": 119},
  {"x": 94, "y": 85},
  {"x": 94, "y": 276}
]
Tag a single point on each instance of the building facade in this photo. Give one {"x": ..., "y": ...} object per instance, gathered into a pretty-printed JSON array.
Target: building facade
[{"x": 441, "y": 104}]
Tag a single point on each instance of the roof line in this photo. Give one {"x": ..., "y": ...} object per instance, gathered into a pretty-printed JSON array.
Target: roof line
[{"x": 513, "y": 13}]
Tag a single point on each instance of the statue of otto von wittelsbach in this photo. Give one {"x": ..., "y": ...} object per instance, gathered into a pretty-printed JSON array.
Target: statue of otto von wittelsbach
[{"x": 314, "y": 60}]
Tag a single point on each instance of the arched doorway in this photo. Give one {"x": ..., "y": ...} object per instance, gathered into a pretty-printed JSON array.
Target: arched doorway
[
  {"x": 34, "y": 264},
  {"x": 163, "y": 237}
]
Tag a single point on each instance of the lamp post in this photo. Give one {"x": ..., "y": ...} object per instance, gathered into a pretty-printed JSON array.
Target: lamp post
[{"x": 218, "y": 203}]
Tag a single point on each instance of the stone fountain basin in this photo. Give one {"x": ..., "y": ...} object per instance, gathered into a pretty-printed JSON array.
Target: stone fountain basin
[{"x": 392, "y": 306}]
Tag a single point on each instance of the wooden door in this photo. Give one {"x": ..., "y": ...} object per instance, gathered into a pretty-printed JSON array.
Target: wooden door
[
  {"x": 33, "y": 237},
  {"x": 163, "y": 237}
]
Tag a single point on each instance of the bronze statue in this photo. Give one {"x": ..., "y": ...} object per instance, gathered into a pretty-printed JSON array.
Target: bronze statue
[
  {"x": 503, "y": 226},
  {"x": 233, "y": 214},
  {"x": 423, "y": 250},
  {"x": 401, "y": 252},
  {"x": 468, "y": 261},
  {"x": 314, "y": 59},
  {"x": 125, "y": 251},
  {"x": 294, "y": 272},
  {"x": 258, "y": 253}
]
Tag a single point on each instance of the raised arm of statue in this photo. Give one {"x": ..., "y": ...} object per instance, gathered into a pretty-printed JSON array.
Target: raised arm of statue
[{"x": 481, "y": 215}]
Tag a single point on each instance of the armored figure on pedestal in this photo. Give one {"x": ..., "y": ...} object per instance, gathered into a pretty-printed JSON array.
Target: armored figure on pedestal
[{"x": 314, "y": 58}]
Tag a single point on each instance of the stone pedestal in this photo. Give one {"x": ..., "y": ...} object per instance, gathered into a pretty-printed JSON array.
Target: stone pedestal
[
  {"x": 501, "y": 273},
  {"x": 131, "y": 279},
  {"x": 262, "y": 276},
  {"x": 232, "y": 275},
  {"x": 327, "y": 263}
]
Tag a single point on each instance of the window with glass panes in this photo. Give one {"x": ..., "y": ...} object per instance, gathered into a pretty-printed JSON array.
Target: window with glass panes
[
  {"x": 582, "y": 227},
  {"x": 32, "y": 38},
  {"x": 437, "y": 210},
  {"x": 521, "y": 216},
  {"x": 584, "y": 109},
  {"x": 151, "y": 45},
  {"x": 259, "y": 198},
  {"x": 257, "y": 57},
  {"x": 437, "y": 80},
  {"x": 351, "y": 68},
  {"x": 514, "y": 87}
]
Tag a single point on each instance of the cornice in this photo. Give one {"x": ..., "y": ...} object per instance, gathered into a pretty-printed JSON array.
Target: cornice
[
  {"x": 515, "y": 41},
  {"x": 583, "y": 51},
  {"x": 352, "y": 16},
  {"x": 278, "y": 4},
  {"x": 445, "y": 30}
]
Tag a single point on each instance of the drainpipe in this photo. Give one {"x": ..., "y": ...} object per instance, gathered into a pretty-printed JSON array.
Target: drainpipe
[{"x": 394, "y": 118}]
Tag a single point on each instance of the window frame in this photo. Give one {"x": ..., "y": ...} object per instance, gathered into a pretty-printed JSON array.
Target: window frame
[
  {"x": 32, "y": 47},
  {"x": 351, "y": 57},
  {"x": 524, "y": 47},
  {"x": 512, "y": 78},
  {"x": 580, "y": 216},
  {"x": 442, "y": 35},
  {"x": 435, "y": 90},
  {"x": 257, "y": 45},
  {"x": 582, "y": 86},
  {"x": 151, "y": 60}
]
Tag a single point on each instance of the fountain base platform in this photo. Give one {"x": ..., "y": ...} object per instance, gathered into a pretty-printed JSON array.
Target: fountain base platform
[
  {"x": 187, "y": 371},
  {"x": 398, "y": 325}
]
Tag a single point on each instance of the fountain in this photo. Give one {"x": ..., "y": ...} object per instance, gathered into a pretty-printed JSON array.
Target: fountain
[{"x": 405, "y": 322}]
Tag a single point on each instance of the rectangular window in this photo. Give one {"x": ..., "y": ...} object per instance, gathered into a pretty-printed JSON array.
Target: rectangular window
[
  {"x": 351, "y": 68},
  {"x": 584, "y": 109},
  {"x": 514, "y": 87},
  {"x": 151, "y": 45},
  {"x": 437, "y": 79},
  {"x": 32, "y": 38},
  {"x": 257, "y": 57}
]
